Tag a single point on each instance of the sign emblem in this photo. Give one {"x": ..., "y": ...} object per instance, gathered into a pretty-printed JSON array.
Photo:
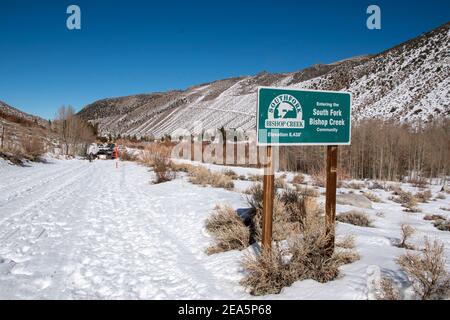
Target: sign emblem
[{"x": 285, "y": 111}]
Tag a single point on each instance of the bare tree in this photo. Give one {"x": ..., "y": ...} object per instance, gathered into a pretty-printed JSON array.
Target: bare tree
[{"x": 74, "y": 133}]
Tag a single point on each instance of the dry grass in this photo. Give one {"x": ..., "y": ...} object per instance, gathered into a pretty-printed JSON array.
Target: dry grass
[
  {"x": 306, "y": 257},
  {"x": 347, "y": 242},
  {"x": 407, "y": 232},
  {"x": 426, "y": 271},
  {"x": 376, "y": 185},
  {"x": 388, "y": 290},
  {"x": 203, "y": 176},
  {"x": 423, "y": 196},
  {"x": 283, "y": 227},
  {"x": 280, "y": 183},
  {"x": 372, "y": 197},
  {"x": 443, "y": 225},
  {"x": 267, "y": 273},
  {"x": 163, "y": 171},
  {"x": 406, "y": 199},
  {"x": 445, "y": 208},
  {"x": 124, "y": 155},
  {"x": 254, "y": 196},
  {"x": 228, "y": 230},
  {"x": 418, "y": 182},
  {"x": 182, "y": 167},
  {"x": 433, "y": 217},
  {"x": 289, "y": 211},
  {"x": 154, "y": 151},
  {"x": 440, "y": 196},
  {"x": 32, "y": 148},
  {"x": 255, "y": 177},
  {"x": 355, "y": 218},
  {"x": 298, "y": 205},
  {"x": 230, "y": 173},
  {"x": 307, "y": 191}
]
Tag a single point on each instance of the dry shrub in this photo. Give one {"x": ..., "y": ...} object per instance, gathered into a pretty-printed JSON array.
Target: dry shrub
[
  {"x": 32, "y": 148},
  {"x": 388, "y": 290},
  {"x": 306, "y": 257},
  {"x": 230, "y": 173},
  {"x": 298, "y": 205},
  {"x": 255, "y": 177},
  {"x": 283, "y": 225},
  {"x": 423, "y": 196},
  {"x": 163, "y": 171},
  {"x": 154, "y": 151},
  {"x": 419, "y": 182},
  {"x": 372, "y": 197},
  {"x": 280, "y": 183},
  {"x": 407, "y": 232},
  {"x": 289, "y": 211},
  {"x": 254, "y": 196},
  {"x": 299, "y": 178},
  {"x": 406, "y": 199},
  {"x": 380, "y": 214},
  {"x": 346, "y": 256},
  {"x": 433, "y": 217},
  {"x": 376, "y": 185},
  {"x": 307, "y": 191},
  {"x": 426, "y": 271},
  {"x": 347, "y": 242},
  {"x": 355, "y": 218},
  {"x": 268, "y": 272},
  {"x": 443, "y": 225},
  {"x": 228, "y": 230},
  {"x": 181, "y": 167},
  {"x": 203, "y": 176},
  {"x": 445, "y": 208},
  {"x": 124, "y": 155}
]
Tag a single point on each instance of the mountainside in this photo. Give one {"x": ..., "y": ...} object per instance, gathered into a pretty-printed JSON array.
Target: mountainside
[
  {"x": 11, "y": 114},
  {"x": 407, "y": 83}
]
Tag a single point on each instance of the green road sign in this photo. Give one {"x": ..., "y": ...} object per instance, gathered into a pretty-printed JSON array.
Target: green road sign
[{"x": 303, "y": 117}]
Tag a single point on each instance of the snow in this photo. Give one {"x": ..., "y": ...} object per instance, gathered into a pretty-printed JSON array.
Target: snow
[{"x": 70, "y": 229}]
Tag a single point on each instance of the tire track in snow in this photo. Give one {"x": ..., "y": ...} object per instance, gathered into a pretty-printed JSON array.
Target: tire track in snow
[{"x": 36, "y": 182}]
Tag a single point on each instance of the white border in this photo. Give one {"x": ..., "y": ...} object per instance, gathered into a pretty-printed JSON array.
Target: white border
[{"x": 302, "y": 143}]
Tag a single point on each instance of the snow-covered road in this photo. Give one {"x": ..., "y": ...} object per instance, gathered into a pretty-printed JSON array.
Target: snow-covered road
[
  {"x": 70, "y": 229},
  {"x": 74, "y": 229}
]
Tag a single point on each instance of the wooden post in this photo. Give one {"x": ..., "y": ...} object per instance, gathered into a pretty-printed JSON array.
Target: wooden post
[
  {"x": 3, "y": 136},
  {"x": 330, "y": 201},
  {"x": 268, "y": 185}
]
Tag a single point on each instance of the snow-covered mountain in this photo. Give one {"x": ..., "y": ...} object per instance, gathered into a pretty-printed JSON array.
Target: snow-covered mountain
[
  {"x": 407, "y": 83},
  {"x": 11, "y": 114}
]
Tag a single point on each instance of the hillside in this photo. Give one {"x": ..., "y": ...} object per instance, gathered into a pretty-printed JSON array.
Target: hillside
[
  {"x": 23, "y": 135},
  {"x": 11, "y": 114},
  {"x": 406, "y": 83}
]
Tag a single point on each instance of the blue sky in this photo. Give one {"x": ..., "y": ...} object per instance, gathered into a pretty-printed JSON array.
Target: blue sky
[{"x": 129, "y": 47}]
